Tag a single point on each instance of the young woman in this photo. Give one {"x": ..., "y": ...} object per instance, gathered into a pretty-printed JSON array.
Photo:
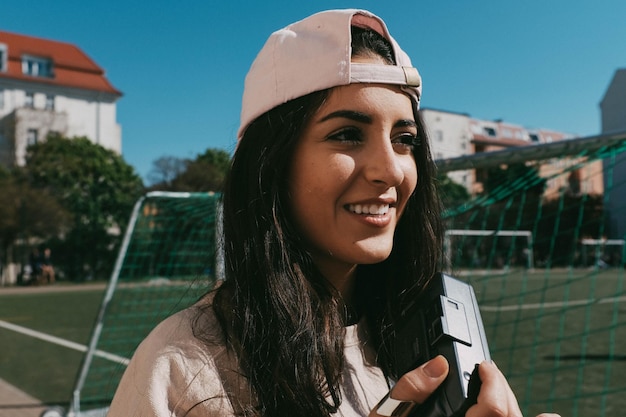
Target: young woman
[{"x": 331, "y": 222}]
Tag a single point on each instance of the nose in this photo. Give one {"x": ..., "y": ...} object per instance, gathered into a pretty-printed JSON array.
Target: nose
[{"x": 383, "y": 165}]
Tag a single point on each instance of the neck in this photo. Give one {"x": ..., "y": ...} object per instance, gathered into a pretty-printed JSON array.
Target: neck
[
  {"x": 343, "y": 278},
  {"x": 344, "y": 283}
]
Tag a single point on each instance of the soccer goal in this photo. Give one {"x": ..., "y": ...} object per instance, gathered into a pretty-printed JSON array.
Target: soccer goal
[
  {"x": 168, "y": 258},
  {"x": 542, "y": 242},
  {"x": 555, "y": 322},
  {"x": 602, "y": 253},
  {"x": 501, "y": 249}
]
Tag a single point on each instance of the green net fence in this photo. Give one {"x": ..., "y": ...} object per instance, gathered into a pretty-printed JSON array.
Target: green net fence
[
  {"x": 541, "y": 247},
  {"x": 539, "y": 243},
  {"x": 167, "y": 261}
]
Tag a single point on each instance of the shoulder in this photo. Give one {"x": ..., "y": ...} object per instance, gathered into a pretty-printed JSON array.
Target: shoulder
[{"x": 181, "y": 368}]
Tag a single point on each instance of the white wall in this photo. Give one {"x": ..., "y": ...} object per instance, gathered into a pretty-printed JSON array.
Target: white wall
[
  {"x": 89, "y": 113},
  {"x": 93, "y": 118},
  {"x": 613, "y": 109},
  {"x": 450, "y": 137}
]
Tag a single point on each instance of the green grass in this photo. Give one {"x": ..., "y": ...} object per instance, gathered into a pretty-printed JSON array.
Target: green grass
[
  {"x": 45, "y": 370},
  {"x": 558, "y": 337},
  {"x": 559, "y": 352}
]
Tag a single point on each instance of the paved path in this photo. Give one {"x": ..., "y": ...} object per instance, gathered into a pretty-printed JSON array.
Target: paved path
[{"x": 16, "y": 403}]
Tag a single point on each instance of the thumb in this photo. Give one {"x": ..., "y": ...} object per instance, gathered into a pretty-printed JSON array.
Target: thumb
[{"x": 419, "y": 383}]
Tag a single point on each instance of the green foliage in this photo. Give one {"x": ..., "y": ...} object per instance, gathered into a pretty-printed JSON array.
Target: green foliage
[
  {"x": 452, "y": 194},
  {"x": 513, "y": 174},
  {"x": 206, "y": 173},
  {"x": 513, "y": 199},
  {"x": 97, "y": 187},
  {"x": 28, "y": 213},
  {"x": 563, "y": 223}
]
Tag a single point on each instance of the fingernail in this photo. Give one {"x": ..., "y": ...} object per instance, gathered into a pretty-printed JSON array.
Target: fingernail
[{"x": 435, "y": 367}]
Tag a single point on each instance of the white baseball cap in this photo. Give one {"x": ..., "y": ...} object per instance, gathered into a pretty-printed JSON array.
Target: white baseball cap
[{"x": 314, "y": 54}]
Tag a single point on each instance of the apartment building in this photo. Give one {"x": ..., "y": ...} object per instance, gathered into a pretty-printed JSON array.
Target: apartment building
[
  {"x": 613, "y": 116},
  {"x": 48, "y": 86},
  {"x": 458, "y": 134}
]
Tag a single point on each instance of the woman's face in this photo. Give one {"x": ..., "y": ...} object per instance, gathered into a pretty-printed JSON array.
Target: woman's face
[{"x": 353, "y": 172}]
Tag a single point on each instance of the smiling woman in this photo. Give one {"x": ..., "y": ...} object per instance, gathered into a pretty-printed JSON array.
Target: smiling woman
[
  {"x": 353, "y": 173},
  {"x": 331, "y": 226}
]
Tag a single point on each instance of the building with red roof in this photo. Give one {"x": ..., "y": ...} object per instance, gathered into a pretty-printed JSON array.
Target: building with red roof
[
  {"x": 458, "y": 134},
  {"x": 48, "y": 87}
]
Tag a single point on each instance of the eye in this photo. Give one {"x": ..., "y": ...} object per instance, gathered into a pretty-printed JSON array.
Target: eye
[
  {"x": 348, "y": 135},
  {"x": 405, "y": 142}
]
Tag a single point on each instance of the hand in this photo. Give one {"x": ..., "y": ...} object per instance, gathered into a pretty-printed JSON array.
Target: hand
[
  {"x": 496, "y": 399},
  {"x": 419, "y": 383}
]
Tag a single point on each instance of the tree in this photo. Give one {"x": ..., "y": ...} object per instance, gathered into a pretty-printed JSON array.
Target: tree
[
  {"x": 27, "y": 214},
  {"x": 526, "y": 176},
  {"x": 97, "y": 187},
  {"x": 206, "y": 173},
  {"x": 452, "y": 194},
  {"x": 165, "y": 170}
]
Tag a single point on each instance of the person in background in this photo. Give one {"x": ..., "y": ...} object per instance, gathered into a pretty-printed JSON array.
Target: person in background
[
  {"x": 34, "y": 260},
  {"x": 331, "y": 225},
  {"x": 46, "y": 267}
]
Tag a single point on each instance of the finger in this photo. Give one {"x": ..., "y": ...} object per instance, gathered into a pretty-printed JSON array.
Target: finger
[
  {"x": 513, "y": 404},
  {"x": 418, "y": 384},
  {"x": 495, "y": 397}
]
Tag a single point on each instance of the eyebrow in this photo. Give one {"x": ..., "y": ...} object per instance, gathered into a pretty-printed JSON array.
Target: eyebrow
[
  {"x": 362, "y": 118},
  {"x": 347, "y": 114}
]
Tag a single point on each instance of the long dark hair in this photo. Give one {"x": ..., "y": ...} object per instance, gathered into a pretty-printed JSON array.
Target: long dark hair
[{"x": 279, "y": 315}]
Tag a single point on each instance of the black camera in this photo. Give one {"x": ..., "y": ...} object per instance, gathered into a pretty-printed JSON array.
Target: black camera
[{"x": 444, "y": 320}]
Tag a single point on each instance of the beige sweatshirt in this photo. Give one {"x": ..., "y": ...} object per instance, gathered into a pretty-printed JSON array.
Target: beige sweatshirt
[{"x": 172, "y": 373}]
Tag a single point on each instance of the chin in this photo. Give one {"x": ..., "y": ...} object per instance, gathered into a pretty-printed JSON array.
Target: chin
[{"x": 374, "y": 256}]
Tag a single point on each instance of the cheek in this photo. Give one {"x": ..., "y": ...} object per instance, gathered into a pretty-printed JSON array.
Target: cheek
[
  {"x": 325, "y": 175},
  {"x": 411, "y": 176}
]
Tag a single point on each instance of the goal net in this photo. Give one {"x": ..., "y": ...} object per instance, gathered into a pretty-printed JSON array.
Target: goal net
[
  {"x": 167, "y": 260},
  {"x": 474, "y": 248},
  {"x": 542, "y": 242},
  {"x": 554, "y": 316}
]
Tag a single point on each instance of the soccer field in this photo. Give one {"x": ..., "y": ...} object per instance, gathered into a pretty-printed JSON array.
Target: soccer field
[
  {"x": 44, "y": 369},
  {"x": 557, "y": 335}
]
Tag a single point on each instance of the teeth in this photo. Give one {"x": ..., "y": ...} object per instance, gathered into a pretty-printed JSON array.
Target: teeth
[{"x": 369, "y": 208}]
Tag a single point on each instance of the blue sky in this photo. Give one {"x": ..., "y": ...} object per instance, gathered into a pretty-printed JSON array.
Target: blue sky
[{"x": 181, "y": 64}]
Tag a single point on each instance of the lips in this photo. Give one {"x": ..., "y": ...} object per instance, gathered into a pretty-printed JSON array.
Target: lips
[{"x": 372, "y": 209}]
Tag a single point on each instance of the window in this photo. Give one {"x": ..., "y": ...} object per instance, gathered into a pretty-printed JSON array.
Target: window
[
  {"x": 534, "y": 137},
  {"x": 29, "y": 100},
  {"x": 37, "y": 67},
  {"x": 49, "y": 102},
  {"x": 32, "y": 136},
  {"x": 489, "y": 131},
  {"x": 3, "y": 57}
]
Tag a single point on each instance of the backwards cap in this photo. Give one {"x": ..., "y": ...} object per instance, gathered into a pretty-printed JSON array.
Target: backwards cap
[{"x": 314, "y": 54}]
